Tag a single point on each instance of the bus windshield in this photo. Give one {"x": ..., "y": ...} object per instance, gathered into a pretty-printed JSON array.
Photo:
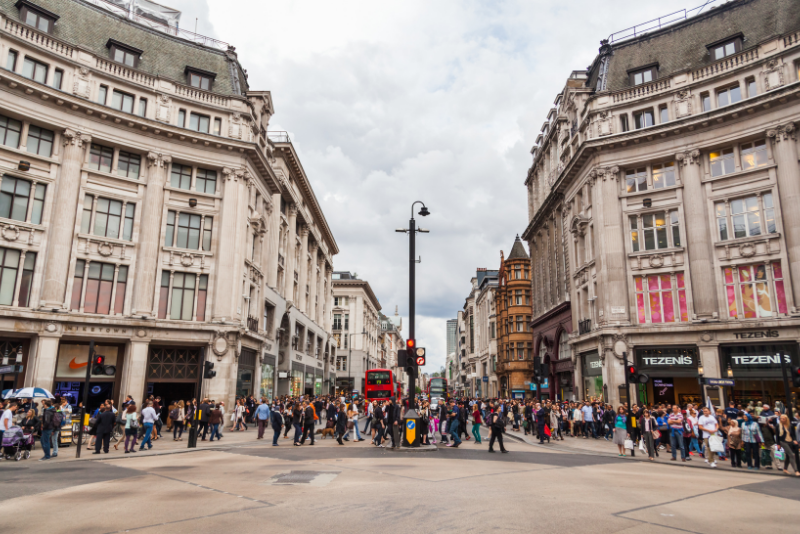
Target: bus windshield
[{"x": 379, "y": 378}]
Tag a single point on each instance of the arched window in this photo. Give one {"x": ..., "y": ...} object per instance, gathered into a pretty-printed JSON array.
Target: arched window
[{"x": 563, "y": 347}]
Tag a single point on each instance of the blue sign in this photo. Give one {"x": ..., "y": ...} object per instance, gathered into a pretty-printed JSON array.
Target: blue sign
[
  {"x": 410, "y": 424},
  {"x": 544, "y": 385},
  {"x": 720, "y": 382},
  {"x": 485, "y": 378}
]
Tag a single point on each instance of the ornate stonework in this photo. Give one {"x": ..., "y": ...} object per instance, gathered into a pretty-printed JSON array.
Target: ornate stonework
[
  {"x": 688, "y": 158},
  {"x": 782, "y": 133},
  {"x": 81, "y": 86},
  {"x": 158, "y": 160},
  {"x": 75, "y": 138}
]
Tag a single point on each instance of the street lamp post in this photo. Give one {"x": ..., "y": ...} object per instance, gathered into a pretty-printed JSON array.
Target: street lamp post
[{"x": 412, "y": 261}]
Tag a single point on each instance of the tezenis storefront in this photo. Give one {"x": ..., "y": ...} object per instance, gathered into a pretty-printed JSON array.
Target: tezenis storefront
[
  {"x": 673, "y": 374},
  {"x": 756, "y": 370}
]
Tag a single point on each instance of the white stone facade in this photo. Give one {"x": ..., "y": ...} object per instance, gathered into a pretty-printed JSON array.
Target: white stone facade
[{"x": 164, "y": 243}]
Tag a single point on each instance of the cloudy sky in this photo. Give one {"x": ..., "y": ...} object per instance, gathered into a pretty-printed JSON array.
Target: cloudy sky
[{"x": 389, "y": 102}]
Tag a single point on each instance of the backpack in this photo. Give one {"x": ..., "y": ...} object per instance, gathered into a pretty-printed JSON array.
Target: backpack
[
  {"x": 174, "y": 414},
  {"x": 58, "y": 418}
]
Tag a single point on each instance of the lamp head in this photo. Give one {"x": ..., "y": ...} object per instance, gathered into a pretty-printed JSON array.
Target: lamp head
[{"x": 424, "y": 211}]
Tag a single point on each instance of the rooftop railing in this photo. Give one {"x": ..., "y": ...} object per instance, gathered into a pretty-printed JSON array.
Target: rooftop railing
[{"x": 657, "y": 23}]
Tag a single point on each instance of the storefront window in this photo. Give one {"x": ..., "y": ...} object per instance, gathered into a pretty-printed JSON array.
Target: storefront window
[
  {"x": 318, "y": 385},
  {"x": 309, "y": 384},
  {"x": 592, "y": 376},
  {"x": 267, "y": 381},
  {"x": 296, "y": 383},
  {"x": 755, "y": 291},
  {"x": 244, "y": 382},
  {"x": 661, "y": 298},
  {"x": 672, "y": 373}
]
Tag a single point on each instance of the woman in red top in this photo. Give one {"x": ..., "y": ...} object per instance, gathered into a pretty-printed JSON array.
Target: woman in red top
[{"x": 476, "y": 423}]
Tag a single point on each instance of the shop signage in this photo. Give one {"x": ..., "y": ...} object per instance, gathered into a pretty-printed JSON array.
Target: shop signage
[
  {"x": 720, "y": 382},
  {"x": 654, "y": 361},
  {"x": 617, "y": 309},
  {"x": 564, "y": 366},
  {"x": 6, "y": 369},
  {"x": 485, "y": 378},
  {"x": 73, "y": 359},
  {"x": 107, "y": 330},
  {"x": 283, "y": 374},
  {"x": 756, "y": 335},
  {"x": 760, "y": 360},
  {"x": 597, "y": 364}
]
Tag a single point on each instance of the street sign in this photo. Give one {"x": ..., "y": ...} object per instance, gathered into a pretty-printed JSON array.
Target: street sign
[
  {"x": 720, "y": 382},
  {"x": 420, "y": 360},
  {"x": 485, "y": 378},
  {"x": 6, "y": 369}
]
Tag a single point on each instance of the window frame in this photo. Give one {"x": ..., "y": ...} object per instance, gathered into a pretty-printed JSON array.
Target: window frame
[
  {"x": 122, "y": 96},
  {"x": 640, "y": 116},
  {"x": 12, "y": 57},
  {"x": 101, "y": 151},
  {"x": 9, "y": 127},
  {"x": 735, "y": 296},
  {"x": 199, "y": 117},
  {"x": 40, "y": 13},
  {"x": 649, "y": 300},
  {"x": 764, "y": 212},
  {"x": 643, "y": 71},
  {"x": 130, "y": 160},
  {"x": 728, "y": 92},
  {"x": 36, "y": 65},
  {"x": 723, "y": 158},
  {"x": 115, "y": 46},
  {"x": 14, "y": 196},
  {"x": 638, "y": 235},
  {"x": 735, "y": 40},
  {"x": 202, "y": 75}
]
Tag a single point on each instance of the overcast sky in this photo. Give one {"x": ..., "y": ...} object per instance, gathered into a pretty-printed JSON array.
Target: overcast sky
[{"x": 389, "y": 102}]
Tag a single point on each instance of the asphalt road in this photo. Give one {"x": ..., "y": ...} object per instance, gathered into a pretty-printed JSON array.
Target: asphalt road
[{"x": 254, "y": 487}]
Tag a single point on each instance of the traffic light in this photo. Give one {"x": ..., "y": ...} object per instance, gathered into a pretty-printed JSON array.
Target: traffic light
[
  {"x": 410, "y": 344},
  {"x": 98, "y": 365},
  {"x": 537, "y": 367},
  {"x": 631, "y": 373},
  {"x": 419, "y": 356},
  {"x": 208, "y": 370},
  {"x": 796, "y": 377},
  {"x": 402, "y": 357}
]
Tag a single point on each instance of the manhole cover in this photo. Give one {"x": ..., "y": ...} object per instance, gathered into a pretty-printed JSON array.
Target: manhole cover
[{"x": 314, "y": 478}]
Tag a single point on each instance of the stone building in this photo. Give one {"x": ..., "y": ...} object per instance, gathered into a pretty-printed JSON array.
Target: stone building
[
  {"x": 482, "y": 367},
  {"x": 661, "y": 201},
  {"x": 143, "y": 206},
  {"x": 356, "y": 330},
  {"x": 514, "y": 345}
]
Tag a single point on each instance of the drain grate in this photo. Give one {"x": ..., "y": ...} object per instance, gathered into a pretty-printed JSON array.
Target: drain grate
[{"x": 305, "y": 477}]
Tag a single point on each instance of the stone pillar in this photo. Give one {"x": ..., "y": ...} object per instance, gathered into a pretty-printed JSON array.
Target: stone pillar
[
  {"x": 228, "y": 291},
  {"x": 698, "y": 239},
  {"x": 43, "y": 366},
  {"x": 62, "y": 222},
  {"x": 289, "y": 261},
  {"x": 615, "y": 288},
  {"x": 303, "y": 268},
  {"x": 312, "y": 283},
  {"x": 784, "y": 150},
  {"x": 150, "y": 235},
  {"x": 273, "y": 243},
  {"x": 134, "y": 375}
]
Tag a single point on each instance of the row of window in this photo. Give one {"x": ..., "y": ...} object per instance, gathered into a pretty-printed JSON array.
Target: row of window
[
  {"x": 11, "y": 267},
  {"x": 752, "y": 292},
  {"x": 519, "y": 351},
  {"x": 18, "y": 196},
  {"x": 34, "y": 70},
  {"x": 341, "y": 321},
  {"x": 717, "y": 51},
  {"x": 522, "y": 322},
  {"x": 39, "y": 140}
]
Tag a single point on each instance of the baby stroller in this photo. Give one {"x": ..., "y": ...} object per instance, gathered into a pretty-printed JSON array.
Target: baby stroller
[{"x": 16, "y": 444}]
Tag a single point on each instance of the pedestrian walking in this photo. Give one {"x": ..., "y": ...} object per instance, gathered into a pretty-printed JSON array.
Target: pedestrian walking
[
  {"x": 308, "y": 423},
  {"x": 105, "y": 425},
  {"x": 48, "y": 424},
  {"x": 787, "y": 438},
  {"x": 621, "y": 429},
  {"x": 676, "y": 429},
  {"x": 262, "y": 417},
  {"x": 454, "y": 424},
  {"x": 205, "y": 412},
  {"x": 149, "y": 418},
  {"x": 216, "y": 419},
  {"x": 708, "y": 424},
  {"x": 648, "y": 425},
  {"x": 131, "y": 427},
  {"x": 735, "y": 444},
  {"x": 178, "y": 416},
  {"x": 496, "y": 430},
  {"x": 276, "y": 420}
]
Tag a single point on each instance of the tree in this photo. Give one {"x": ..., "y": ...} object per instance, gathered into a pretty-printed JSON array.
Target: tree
[{"x": 418, "y": 390}]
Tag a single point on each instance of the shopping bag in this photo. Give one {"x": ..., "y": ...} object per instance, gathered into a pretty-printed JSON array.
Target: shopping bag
[
  {"x": 642, "y": 446},
  {"x": 780, "y": 454},
  {"x": 629, "y": 444},
  {"x": 716, "y": 445},
  {"x": 546, "y": 430},
  {"x": 656, "y": 434}
]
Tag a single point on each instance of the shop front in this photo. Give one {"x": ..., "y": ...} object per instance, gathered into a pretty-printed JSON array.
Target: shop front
[
  {"x": 592, "y": 372},
  {"x": 756, "y": 371},
  {"x": 267, "y": 386},
  {"x": 246, "y": 370},
  {"x": 12, "y": 350},
  {"x": 563, "y": 379},
  {"x": 172, "y": 373},
  {"x": 673, "y": 376},
  {"x": 70, "y": 375},
  {"x": 317, "y": 381},
  {"x": 297, "y": 380}
]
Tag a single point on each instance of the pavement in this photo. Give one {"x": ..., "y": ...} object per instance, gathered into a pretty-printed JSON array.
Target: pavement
[{"x": 251, "y": 486}]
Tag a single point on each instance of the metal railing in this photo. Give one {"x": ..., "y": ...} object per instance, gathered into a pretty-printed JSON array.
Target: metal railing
[
  {"x": 279, "y": 137},
  {"x": 252, "y": 323},
  {"x": 657, "y": 23},
  {"x": 585, "y": 326}
]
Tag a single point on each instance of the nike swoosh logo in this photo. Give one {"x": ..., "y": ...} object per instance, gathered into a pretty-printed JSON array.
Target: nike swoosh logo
[{"x": 74, "y": 365}]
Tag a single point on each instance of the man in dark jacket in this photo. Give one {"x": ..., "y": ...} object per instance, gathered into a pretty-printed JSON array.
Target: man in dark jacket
[
  {"x": 454, "y": 424},
  {"x": 205, "y": 412},
  {"x": 528, "y": 413},
  {"x": 308, "y": 424},
  {"x": 341, "y": 423},
  {"x": 276, "y": 419},
  {"x": 541, "y": 419},
  {"x": 496, "y": 429},
  {"x": 48, "y": 424},
  {"x": 105, "y": 424}
]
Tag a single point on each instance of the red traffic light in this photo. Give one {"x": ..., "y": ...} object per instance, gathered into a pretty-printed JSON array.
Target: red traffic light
[
  {"x": 411, "y": 343},
  {"x": 99, "y": 360}
]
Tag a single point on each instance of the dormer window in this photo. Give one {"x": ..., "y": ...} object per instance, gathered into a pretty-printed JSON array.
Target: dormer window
[
  {"x": 201, "y": 79},
  {"x": 122, "y": 53},
  {"x": 35, "y": 16},
  {"x": 726, "y": 47},
  {"x": 643, "y": 74}
]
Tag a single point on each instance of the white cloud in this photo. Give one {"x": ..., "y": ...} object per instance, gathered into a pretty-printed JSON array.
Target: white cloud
[{"x": 391, "y": 102}]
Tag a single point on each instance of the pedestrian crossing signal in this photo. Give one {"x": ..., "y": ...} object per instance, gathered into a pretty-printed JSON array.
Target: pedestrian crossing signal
[{"x": 208, "y": 370}]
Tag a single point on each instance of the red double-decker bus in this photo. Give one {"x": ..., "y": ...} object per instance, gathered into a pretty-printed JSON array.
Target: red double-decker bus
[
  {"x": 379, "y": 384},
  {"x": 437, "y": 388}
]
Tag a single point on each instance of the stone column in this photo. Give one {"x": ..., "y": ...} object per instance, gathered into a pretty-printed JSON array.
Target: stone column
[
  {"x": 698, "y": 239},
  {"x": 784, "y": 150},
  {"x": 312, "y": 283},
  {"x": 43, "y": 365},
  {"x": 289, "y": 261},
  {"x": 228, "y": 290},
  {"x": 150, "y": 235},
  {"x": 327, "y": 300},
  {"x": 615, "y": 288},
  {"x": 61, "y": 229},
  {"x": 303, "y": 268},
  {"x": 134, "y": 375},
  {"x": 274, "y": 236}
]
